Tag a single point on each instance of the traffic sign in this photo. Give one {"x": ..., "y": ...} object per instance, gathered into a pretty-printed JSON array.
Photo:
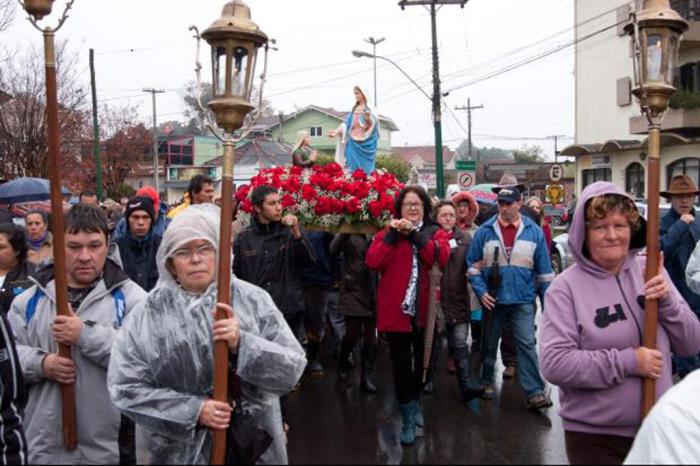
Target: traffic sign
[
  {"x": 466, "y": 180},
  {"x": 465, "y": 165},
  {"x": 556, "y": 173},
  {"x": 466, "y": 173},
  {"x": 555, "y": 193}
]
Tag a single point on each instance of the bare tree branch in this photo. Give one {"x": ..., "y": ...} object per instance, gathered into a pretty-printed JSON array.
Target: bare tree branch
[{"x": 7, "y": 13}]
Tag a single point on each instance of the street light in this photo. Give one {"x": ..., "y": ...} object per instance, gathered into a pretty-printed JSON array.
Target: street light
[
  {"x": 37, "y": 10},
  {"x": 656, "y": 32},
  {"x": 361, "y": 54},
  {"x": 439, "y": 169},
  {"x": 234, "y": 40},
  {"x": 374, "y": 42}
]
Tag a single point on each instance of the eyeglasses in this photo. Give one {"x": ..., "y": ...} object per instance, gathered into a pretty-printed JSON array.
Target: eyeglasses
[
  {"x": 205, "y": 250},
  {"x": 412, "y": 205}
]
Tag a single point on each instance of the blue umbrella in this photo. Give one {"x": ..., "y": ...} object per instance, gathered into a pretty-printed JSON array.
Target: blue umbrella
[{"x": 26, "y": 190}]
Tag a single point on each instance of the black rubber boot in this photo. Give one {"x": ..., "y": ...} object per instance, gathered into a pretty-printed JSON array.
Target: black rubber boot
[
  {"x": 313, "y": 349},
  {"x": 344, "y": 365},
  {"x": 369, "y": 356}
]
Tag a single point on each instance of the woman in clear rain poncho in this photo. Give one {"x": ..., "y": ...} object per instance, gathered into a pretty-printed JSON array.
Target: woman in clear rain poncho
[{"x": 161, "y": 370}]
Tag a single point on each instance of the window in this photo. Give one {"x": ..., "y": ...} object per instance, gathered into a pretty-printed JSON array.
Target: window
[
  {"x": 385, "y": 134},
  {"x": 316, "y": 131},
  {"x": 634, "y": 180},
  {"x": 689, "y": 166},
  {"x": 596, "y": 174}
]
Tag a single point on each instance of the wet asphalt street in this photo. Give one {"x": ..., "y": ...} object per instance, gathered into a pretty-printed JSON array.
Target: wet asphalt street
[{"x": 332, "y": 425}]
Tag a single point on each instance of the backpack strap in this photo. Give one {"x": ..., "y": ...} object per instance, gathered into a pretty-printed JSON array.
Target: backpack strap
[
  {"x": 32, "y": 305},
  {"x": 119, "y": 305}
]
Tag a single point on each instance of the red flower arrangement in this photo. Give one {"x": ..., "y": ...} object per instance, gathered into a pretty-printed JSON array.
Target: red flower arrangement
[{"x": 327, "y": 197}]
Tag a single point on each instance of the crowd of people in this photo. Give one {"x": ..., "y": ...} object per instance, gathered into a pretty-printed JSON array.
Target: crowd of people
[{"x": 142, "y": 290}]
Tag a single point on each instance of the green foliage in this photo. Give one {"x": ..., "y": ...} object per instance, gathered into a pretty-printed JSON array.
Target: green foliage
[
  {"x": 529, "y": 154},
  {"x": 124, "y": 191},
  {"x": 394, "y": 165},
  {"x": 391, "y": 163},
  {"x": 687, "y": 100}
]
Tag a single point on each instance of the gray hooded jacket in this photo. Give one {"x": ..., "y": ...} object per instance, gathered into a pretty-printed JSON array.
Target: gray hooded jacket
[
  {"x": 162, "y": 365},
  {"x": 31, "y": 316}
]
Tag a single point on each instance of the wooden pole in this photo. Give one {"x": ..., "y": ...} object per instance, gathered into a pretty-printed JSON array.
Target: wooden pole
[
  {"x": 70, "y": 434},
  {"x": 652, "y": 306},
  {"x": 221, "y": 350}
]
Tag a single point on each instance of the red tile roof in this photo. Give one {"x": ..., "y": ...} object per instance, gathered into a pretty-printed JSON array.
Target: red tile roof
[{"x": 427, "y": 153}]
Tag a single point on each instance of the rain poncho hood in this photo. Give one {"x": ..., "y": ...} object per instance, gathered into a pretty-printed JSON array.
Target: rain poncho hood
[
  {"x": 162, "y": 363},
  {"x": 577, "y": 232}
]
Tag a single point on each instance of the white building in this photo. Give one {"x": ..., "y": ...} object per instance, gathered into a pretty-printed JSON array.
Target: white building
[{"x": 611, "y": 140}]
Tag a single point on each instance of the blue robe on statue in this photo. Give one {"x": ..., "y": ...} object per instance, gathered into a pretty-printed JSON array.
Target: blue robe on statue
[{"x": 360, "y": 152}]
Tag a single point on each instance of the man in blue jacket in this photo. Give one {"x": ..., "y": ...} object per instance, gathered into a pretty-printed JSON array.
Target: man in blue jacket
[
  {"x": 518, "y": 246},
  {"x": 680, "y": 232}
]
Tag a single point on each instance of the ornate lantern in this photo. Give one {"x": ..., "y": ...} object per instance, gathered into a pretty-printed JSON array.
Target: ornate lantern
[
  {"x": 38, "y": 8},
  {"x": 234, "y": 40},
  {"x": 657, "y": 34}
]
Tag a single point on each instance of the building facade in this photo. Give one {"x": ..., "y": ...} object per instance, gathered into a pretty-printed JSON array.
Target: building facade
[{"x": 611, "y": 134}]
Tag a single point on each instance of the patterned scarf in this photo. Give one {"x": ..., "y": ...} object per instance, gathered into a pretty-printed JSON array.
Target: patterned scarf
[{"x": 408, "y": 307}]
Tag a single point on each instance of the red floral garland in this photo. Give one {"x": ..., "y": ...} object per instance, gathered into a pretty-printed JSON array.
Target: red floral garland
[{"x": 327, "y": 197}]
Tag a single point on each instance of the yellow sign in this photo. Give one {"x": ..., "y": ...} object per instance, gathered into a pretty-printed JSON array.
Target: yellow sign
[{"x": 555, "y": 193}]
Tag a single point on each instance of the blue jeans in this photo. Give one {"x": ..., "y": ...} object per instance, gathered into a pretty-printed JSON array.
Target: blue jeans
[
  {"x": 522, "y": 318},
  {"x": 459, "y": 351}
]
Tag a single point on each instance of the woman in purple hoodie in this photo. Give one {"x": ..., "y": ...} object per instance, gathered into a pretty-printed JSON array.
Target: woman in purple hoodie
[{"x": 591, "y": 339}]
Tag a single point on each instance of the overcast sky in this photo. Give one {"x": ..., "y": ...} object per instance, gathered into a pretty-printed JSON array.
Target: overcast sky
[{"x": 146, "y": 43}]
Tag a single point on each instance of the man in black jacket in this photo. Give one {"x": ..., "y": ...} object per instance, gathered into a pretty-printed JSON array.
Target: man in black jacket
[
  {"x": 272, "y": 252},
  {"x": 139, "y": 246}
]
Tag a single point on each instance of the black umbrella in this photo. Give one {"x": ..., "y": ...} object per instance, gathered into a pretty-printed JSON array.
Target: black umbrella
[{"x": 26, "y": 190}]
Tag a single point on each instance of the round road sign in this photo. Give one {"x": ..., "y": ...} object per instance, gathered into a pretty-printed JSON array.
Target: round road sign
[
  {"x": 556, "y": 173},
  {"x": 466, "y": 180}
]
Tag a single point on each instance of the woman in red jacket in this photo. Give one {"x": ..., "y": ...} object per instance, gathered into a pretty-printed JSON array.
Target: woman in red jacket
[{"x": 403, "y": 254}]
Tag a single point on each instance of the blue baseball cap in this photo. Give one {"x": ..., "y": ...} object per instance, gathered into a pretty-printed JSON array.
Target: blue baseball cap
[{"x": 509, "y": 195}]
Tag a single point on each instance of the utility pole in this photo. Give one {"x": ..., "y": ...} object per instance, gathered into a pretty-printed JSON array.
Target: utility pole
[
  {"x": 96, "y": 127},
  {"x": 437, "y": 96},
  {"x": 469, "y": 109},
  {"x": 153, "y": 93},
  {"x": 556, "y": 146},
  {"x": 374, "y": 43}
]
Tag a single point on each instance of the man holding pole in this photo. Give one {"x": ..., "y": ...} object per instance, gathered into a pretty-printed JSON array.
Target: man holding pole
[{"x": 100, "y": 296}]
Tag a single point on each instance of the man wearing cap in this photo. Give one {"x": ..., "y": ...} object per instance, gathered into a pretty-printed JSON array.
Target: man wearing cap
[
  {"x": 680, "y": 232},
  {"x": 161, "y": 220},
  {"x": 508, "y": 352},
  {"x": 517, "y": 245},
  {"x": 139, "y": 246}
]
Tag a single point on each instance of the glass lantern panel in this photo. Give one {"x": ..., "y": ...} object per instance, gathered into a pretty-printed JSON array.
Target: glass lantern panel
[
  {"x": 219, "y": 63},
  {"x": 240, "y": 71},
  {"x": 672, "y": 59},
  {"x": 655, "y": 55}
]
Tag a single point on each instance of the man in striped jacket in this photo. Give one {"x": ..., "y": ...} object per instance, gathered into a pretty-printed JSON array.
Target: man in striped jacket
[{"x": 518, "y": 245}]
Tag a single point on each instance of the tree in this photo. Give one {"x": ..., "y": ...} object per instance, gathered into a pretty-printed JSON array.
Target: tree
[
  {"x": 126, "y": 144},
  {"x": 198, "y": 120},
  {"x": 7, "y": 13},
  {"x": 23, "y": 126},
  {"x": 395, "y": 165},
  {"x": 529, "y": 154}
]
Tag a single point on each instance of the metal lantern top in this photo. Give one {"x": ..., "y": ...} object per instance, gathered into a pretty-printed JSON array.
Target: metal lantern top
[
  {"x": 38, "y": 8},
  {"x": 235, "y": 23},
  {"x": 656, "y": 30},
  {"x": 659, "y": 14},
  {"x": 234, "y": 39}
]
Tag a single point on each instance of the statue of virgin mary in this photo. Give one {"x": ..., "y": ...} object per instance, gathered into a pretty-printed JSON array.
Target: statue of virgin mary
[{"x": 357, "y": 136}]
